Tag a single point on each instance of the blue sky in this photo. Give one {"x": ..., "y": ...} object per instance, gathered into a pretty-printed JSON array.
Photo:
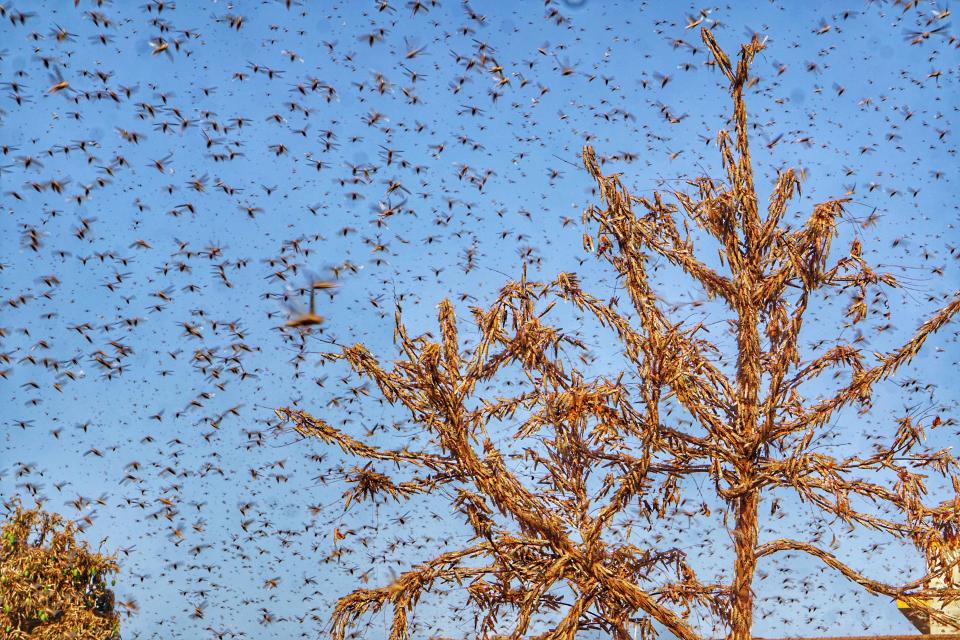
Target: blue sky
[{"x": 405, "y": 167}]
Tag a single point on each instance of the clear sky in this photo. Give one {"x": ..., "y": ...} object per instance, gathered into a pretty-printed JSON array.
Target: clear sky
[{"x": 161, "y": 211}]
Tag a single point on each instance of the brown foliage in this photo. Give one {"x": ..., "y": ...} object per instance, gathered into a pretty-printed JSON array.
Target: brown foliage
[
  {"x": 602, "y": 446},
  {"x": 52, "y": 586}
]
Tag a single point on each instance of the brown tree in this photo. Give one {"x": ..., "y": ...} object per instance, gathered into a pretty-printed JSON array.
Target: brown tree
[
  {"x": 51, "y": 584},
  {"x": 598, "y": 446}
]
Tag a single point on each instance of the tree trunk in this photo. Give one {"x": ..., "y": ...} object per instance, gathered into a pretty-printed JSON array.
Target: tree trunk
[{"x": 745, "y": 545}]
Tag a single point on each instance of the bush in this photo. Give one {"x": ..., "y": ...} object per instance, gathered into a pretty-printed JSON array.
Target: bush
[{"x": 51, "y": 584}]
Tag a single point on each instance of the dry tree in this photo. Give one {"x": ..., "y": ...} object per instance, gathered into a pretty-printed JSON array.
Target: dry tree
[
  {"x": 600, "y": 447},
  {"x": 51, "y": 584}
]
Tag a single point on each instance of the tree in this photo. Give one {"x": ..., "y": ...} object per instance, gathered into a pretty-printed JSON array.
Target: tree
[
  {"x": 51, "y": 584},
  {"x": 597, "y": 446}
]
